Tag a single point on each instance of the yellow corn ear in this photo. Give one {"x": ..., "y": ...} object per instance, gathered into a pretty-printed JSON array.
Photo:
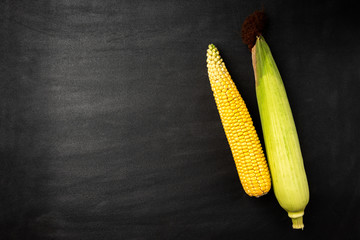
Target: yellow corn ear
[{"x": 239, "y": 129}]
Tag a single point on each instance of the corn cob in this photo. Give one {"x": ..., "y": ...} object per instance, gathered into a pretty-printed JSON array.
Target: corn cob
[
  {"x": 281, "y": 139},
  {"x": 239, "y": 129}
]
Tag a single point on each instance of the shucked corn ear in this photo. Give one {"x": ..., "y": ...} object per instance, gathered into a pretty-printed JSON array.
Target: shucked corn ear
[
  {"x": 239, "y": 129},
  {"x": 281, "y": 140}
]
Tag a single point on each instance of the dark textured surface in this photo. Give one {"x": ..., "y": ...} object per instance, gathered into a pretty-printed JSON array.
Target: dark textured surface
[{"x": 109, "y": 129}]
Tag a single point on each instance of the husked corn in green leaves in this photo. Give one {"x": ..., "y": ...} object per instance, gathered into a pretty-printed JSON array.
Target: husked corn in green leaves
[
  {"x": 281, "y": 139},
  {"x": 239, "y": 129}
]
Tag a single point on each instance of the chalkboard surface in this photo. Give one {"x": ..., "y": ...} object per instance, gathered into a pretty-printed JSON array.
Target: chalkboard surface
[{"x": 109, "y": 130}]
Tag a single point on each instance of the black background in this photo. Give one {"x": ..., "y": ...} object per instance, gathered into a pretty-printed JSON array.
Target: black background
[{"x": 108, "y": 127}]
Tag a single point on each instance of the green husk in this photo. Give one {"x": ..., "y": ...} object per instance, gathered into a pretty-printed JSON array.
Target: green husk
[{"x": 281, "y": 140}]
